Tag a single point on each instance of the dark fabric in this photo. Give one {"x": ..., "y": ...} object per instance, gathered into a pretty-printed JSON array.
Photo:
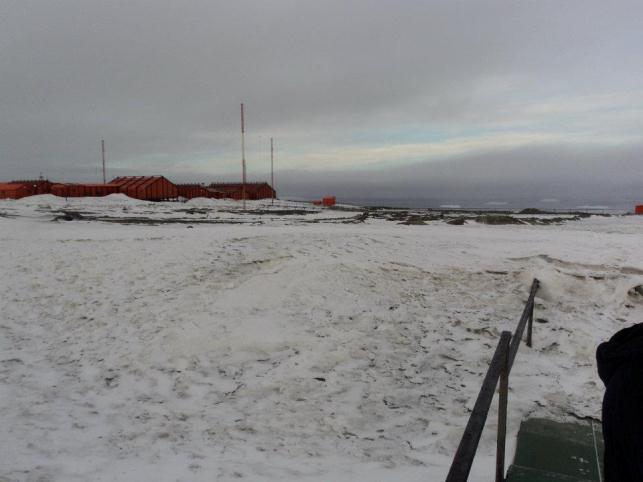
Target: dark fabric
[{"x": 620, "y": 366}]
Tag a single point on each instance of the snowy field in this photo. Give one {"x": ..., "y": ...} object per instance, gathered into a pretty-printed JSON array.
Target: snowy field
[{"x": 288, "y": 343}]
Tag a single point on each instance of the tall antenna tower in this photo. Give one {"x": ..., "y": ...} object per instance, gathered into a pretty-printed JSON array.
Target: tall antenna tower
[
  {"x": 102, "y": 150},
  {"x": 272, "y": 172},
  {"x": 243, "y": 160}
]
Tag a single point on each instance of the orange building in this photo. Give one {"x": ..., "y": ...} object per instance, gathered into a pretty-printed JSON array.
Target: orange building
[
  {"x": 148, "y": 188},
  {"x": 254, "y": 190},
  {"x": 13, "y": 191},
  {"x": 191, "y": 191},
  {"x": 84, "y": 190}
]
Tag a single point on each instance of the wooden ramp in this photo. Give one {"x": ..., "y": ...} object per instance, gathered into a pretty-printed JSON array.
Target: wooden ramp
[{"x": 558, "y": 452}]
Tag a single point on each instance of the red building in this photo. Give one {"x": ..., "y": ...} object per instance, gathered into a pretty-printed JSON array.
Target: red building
[
  {"x": 35, "y": 186},
  {"x": 84, "y": 190},
  {"x": 148, "y": 188},
  {"x": 20, "y": 189},
  {"x": 191, "y": 191},
  {"x": 254, "y": 190},
  {"x": 13, "y": 191}
]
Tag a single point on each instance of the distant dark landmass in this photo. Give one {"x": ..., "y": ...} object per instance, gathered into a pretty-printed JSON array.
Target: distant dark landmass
[{"x": 615, "y": 205}]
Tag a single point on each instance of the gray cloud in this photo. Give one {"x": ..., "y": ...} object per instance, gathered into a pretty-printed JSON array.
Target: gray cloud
[
  {"x": 162, "y": 81},
  {"x": 529, "y": 173}
]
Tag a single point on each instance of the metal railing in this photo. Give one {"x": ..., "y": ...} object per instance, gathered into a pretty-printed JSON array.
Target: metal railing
[{"x": 498, "y": 371}]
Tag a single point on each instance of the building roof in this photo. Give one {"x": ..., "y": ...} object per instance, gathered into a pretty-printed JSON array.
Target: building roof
[
  {"x": 85, "y": 184},
  {"x": 238, "y": 184},
  {"x": 136, "y": 181}
]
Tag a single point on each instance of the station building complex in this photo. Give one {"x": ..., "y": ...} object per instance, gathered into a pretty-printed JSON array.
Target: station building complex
[{"x": 149, "y": 188}]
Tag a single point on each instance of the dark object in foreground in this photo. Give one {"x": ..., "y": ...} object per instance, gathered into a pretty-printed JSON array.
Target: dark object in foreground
[
  {"x": 69, "y": 216},
  {"x": 620, "y": 366}
]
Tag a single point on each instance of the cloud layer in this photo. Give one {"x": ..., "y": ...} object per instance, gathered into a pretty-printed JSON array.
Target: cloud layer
[{"x": 360, "y": 87}]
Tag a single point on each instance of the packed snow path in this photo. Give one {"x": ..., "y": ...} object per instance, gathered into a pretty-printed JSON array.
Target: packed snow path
[{"x": 289, "y": 352}]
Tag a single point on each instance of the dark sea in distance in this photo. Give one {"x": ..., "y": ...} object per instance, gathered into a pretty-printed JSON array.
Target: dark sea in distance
[{"x": 615, "y": 205}]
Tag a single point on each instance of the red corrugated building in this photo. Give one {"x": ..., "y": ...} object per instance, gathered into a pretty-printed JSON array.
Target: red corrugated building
[
  {"x": 148, "y": 188},
  {"x": 35, "y": 186},
  {"x": 13, "y": 191},
  {"x": 215, "y": 194},
  {"x": 191, "y": 191},
  {"x": 65, "y": 190},
  {"x": 639, "y": 209},
  {"x": 254, "y": 190},
  {"x": 84, "y": 190}
]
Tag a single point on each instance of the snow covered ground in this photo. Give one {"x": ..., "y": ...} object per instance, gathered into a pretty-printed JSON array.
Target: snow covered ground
[{"x": 286, "y": 343}]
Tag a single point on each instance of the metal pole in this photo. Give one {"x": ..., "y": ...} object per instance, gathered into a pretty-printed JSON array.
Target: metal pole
[
  {"x": 243, "y": 160},
  {"x": 102, "y": 148},
  {"x": 502, "y": 421},
  {"x": 530, "y": 323},
  {"x": 272, "y": 171}
]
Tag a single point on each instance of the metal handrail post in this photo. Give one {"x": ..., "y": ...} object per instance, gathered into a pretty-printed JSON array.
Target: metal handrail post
[
  {"x": 498, "y": 372},
  {"x": 461, "y": 465},
  {"x": 530, "y": 323},
  {"x": 501, "y": 439},
  {"x": 520, "y": 329}
]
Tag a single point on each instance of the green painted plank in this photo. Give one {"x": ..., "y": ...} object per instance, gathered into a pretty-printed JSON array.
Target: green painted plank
[
  {"x": 580, "y": 433},
  {"x": 524, "y": 474},
  {"x": 562, "y": 449}
]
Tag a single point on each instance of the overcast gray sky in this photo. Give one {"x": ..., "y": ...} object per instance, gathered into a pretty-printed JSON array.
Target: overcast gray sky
[{"x": 402, "y": 96}]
